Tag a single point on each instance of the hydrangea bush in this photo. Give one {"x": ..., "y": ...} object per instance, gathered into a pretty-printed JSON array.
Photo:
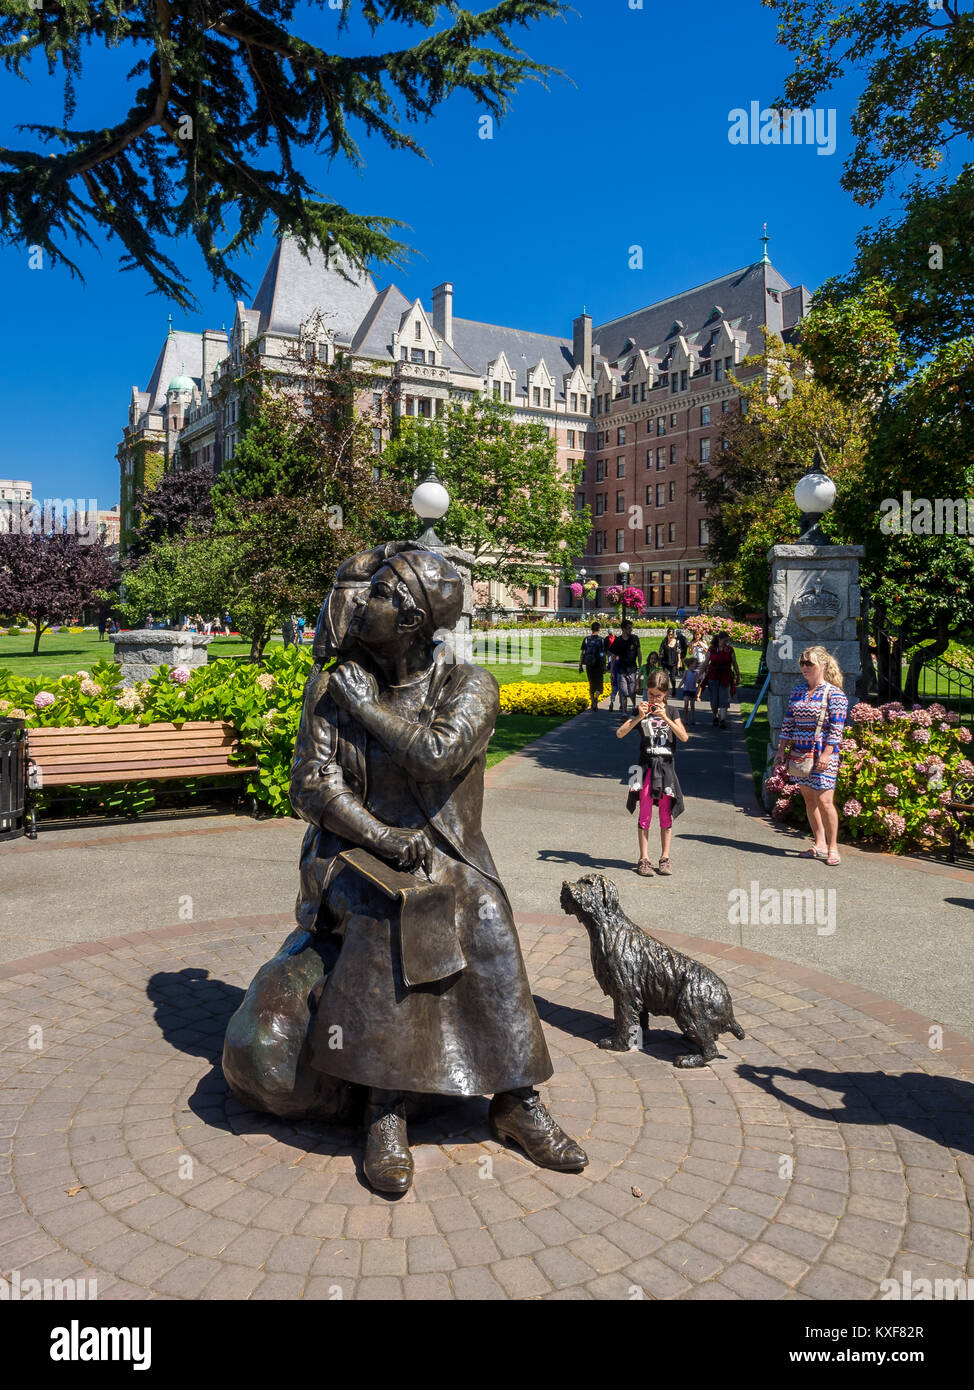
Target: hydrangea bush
[
  {"x": 705, "y": 625},
  {"x": 263, "y": 703},
  {"x": 897, "y": 768}
]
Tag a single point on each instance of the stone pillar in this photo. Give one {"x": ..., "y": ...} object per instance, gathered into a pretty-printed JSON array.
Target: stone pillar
[
  {"x": 142, "y": 652},
  {"x": 814, "y": 601}
]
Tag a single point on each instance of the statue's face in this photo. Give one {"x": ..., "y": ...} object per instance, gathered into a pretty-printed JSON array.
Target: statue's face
[{"x": 378, "y": 625}]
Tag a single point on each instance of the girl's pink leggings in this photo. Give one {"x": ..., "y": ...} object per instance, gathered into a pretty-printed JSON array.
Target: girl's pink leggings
[{"x": 646, "y": 807}]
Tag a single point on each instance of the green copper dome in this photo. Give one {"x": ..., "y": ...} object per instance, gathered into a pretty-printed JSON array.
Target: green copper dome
[{"x": 181, "y": 383}]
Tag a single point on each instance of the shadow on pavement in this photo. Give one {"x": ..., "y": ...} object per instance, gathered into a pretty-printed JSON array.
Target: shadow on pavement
[
  {"x": 661, "y": 1043},
  {"x": 937, "y": 1108},
  {"x": 961, "y": 902},
  {"x": 586, "y": 861},
  {"x": 777, "y": 851},
  {"x": 192, "y": 1012}
]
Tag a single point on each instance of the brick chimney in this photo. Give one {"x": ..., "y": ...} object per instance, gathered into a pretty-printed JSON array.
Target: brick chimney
[
  {"x": 582, "y": 343},
  {"x": 443, "y": 311}
]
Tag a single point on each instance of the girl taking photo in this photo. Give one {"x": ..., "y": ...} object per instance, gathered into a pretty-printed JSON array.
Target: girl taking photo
[{"x": 656, "y": 782}]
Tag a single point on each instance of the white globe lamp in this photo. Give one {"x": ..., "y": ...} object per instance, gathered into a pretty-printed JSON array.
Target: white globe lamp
[
  {"x": 430, "y": 501},
  {"x": 814, "y": 496}
]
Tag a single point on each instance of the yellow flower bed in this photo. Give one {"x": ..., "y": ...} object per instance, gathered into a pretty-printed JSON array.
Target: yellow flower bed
[{"x": 551, "y": 697}]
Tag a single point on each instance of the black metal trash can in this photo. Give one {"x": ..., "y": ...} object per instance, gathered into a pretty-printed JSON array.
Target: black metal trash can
[{"x": 13, "y": 761}]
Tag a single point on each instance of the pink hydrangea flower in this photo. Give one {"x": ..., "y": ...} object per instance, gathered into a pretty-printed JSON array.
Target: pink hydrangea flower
[
  {"x": 864, "y": 714},
  {"x": 943, "y": 727},
  {"x": 180, "y": 675},
  {"x": 953, "y": 717},
  {"x": 918, "y": 715},
  {"x": 90, "y": 688},
  {"x": 852, "y": 807},
  {"x": 964, "y": 768},
  {"x": 42, "y": 699},
  {"x": 928, "y": 831},
  {"x": 266, "y": 681},
  {"x": 897, "y": 745},
  {"x": 945, "y": 797},
  {"x": 895, "y": 824},
  {"x": 781, "y": 807},
  {"x": 937, "y": 711},
  {"x": 921, "y": 735},
  {"x": 891, "y": 789},
  {"x": 849, "y": 745},
  {"x": 964, "y": 735}
]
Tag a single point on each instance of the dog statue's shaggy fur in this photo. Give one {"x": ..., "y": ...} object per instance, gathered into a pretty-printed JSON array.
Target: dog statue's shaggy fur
[{"x": 643, "y": 977}]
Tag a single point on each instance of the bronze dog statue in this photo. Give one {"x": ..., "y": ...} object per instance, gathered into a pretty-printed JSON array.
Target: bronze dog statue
[{"x": 643, "y": 977}]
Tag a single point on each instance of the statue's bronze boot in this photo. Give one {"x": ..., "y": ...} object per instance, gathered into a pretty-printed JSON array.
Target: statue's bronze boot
[
  {"x": 520, "y": 1117},
  {"x": 388, "y": 1164}
]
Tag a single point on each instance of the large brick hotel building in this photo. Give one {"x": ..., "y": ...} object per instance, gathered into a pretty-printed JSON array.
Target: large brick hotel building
[{"x": 636, "y": 399}]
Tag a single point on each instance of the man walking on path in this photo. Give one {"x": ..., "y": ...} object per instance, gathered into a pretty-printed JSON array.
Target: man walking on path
[
  {"x": 629, "y": 655},
  {"x": 592, "y": 657}
]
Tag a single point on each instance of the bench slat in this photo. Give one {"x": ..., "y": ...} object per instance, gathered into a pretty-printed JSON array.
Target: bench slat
[
  {"x": 130, "y": 747},
  {"x": 93, "y": 765},
  {"x": 162, "y": 775}
]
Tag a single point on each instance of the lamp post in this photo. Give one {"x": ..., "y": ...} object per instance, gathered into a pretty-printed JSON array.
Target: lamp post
[
  {"x": 581, "y": 574},
  {"x": 430, "y": 501},
  {"x": 624, "y": 571},
  {"x": 814, "y": 495}
]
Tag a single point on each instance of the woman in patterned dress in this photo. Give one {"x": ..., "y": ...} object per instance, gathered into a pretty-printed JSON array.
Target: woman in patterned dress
[{"x": 822, "y": 680}]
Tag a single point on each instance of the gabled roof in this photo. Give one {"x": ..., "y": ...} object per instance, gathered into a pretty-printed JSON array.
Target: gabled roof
[
  {"x": 182, "y": 354},
  {"x": 294, "y": 286},
  {"x": 742, "y": 294},
  {"x": 384, "y": 318},
  {"x": 480, "y": 343}
]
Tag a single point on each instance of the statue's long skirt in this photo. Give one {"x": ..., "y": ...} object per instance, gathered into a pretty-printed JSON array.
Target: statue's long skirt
[{"x": 475, "y": 1033}]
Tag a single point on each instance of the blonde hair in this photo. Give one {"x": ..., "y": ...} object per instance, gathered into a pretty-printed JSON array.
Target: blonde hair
[{"x": 828, "y": 663}]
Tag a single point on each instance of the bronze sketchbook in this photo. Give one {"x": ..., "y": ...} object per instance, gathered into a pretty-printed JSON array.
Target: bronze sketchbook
[{"x": 427, "y": 918}]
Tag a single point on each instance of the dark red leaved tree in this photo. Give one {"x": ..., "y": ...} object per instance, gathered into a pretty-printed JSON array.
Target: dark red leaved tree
[{"x": 50, "y": 579}]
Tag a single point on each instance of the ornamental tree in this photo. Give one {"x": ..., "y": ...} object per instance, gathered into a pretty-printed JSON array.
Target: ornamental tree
[
  {"x": 50, "y": 578},
  {"x": 179, "y": 501},
  {"x": 511, "y": 506},
  {"x": 225, "y": 101}
]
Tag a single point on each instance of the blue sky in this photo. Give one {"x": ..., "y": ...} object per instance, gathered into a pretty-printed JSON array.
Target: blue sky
[{"x": 630, "y": 148}]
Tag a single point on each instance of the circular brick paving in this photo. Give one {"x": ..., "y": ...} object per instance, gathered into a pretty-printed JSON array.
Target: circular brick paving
[{"x": 827, "y": 1151}]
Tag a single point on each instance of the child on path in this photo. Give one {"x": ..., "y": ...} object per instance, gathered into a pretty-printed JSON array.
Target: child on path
[
  {"x": 654, "y": 781},
  {"x": 689, "y": 688}
]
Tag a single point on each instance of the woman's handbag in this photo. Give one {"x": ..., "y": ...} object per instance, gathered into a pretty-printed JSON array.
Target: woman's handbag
[{"x": 804, "y": 763}]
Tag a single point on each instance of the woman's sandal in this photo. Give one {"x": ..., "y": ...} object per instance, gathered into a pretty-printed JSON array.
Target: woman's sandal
[
  {"x": 667, "y": 871},
  {"x": 832, "y": 859},
  {"x": 644, "y": 869},
  {"x": 813, "y": 853}
]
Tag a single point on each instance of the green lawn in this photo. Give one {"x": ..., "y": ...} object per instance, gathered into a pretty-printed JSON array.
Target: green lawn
[
  {"x": 514, "y": 731},
  {"x": 62, "y": 654}
]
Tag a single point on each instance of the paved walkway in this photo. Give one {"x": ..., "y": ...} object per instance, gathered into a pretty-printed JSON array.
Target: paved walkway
[{"x": 829, "y": 1150}]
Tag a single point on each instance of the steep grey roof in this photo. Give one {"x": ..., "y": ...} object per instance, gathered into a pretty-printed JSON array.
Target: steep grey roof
[
  {"x": 742, "y": 295},
  {"x": 480, "y": 343},
  {"x": 181, "y": 355},
  {"x": 373, "y": 337},
  {"x": 293, "y": 287}
]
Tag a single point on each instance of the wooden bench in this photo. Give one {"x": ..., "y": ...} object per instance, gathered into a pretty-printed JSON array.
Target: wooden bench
[
  {"x": 961, "y": 807},
  {"x": 85, "y": 756}
]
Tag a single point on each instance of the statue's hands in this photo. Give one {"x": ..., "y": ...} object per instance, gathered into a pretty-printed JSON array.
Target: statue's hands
[
  {"x": 407, "y": 849},
  {"x": 350, "y": 685}
]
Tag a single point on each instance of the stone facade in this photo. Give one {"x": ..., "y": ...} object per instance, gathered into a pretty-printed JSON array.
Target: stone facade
[
  {"x": 141, "y": 653},
  {"x": 814, "y": 601}
]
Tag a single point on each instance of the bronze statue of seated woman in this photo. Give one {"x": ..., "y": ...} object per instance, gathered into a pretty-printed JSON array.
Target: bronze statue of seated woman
[{"x": 406, "y": 975}]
